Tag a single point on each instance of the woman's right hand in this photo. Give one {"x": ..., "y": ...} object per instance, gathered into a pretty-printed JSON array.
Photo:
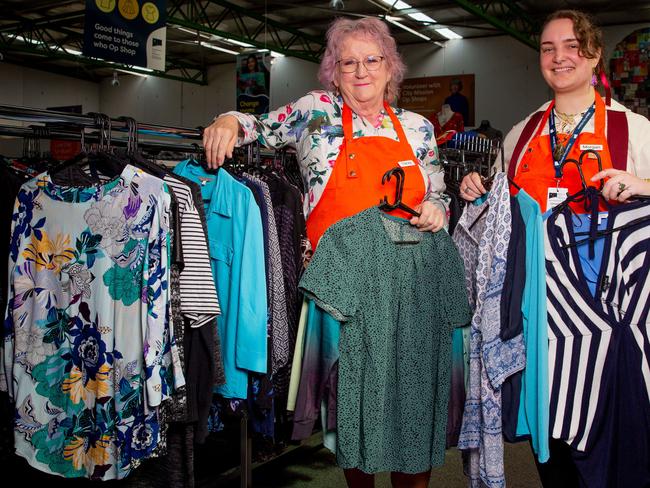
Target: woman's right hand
[
  {"x": 472, "y": 187},
  {"x": 219, "y": 139}
]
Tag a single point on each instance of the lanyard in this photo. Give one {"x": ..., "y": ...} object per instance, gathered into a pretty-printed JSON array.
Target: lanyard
[{"x": 557, "y": 159}]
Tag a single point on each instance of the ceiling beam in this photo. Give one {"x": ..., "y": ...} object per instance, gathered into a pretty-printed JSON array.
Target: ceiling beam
[
  {"x": 250, "y": 27},
  {"x": 507, "y": 16}
]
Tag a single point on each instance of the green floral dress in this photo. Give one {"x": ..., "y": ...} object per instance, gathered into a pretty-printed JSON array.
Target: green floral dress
[
  {"x": 399, "y": 293},
  {"x": 87, "y": 349}
]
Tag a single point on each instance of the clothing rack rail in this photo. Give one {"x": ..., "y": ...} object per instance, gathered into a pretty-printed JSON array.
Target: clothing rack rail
[
  {"x": 61, "y": 134},
  {"x": 28, "y": 114}
]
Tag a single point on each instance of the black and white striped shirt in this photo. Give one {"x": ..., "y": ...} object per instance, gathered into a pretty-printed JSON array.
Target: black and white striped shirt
[
  {"x": 199, "y": 302},
  {"x": 598, "y": 346}
]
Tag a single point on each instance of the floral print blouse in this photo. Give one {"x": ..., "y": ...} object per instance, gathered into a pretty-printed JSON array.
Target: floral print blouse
[
  {"x": 313, "y": 126},
  {"x": 87, "y": 349}
]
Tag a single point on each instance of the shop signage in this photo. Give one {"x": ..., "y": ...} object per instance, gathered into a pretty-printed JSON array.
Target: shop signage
[
  {"x": 131, "y": 32},
  {"x": 253, "y": 82},
  {"x": 62, "y": 150},
  {"x": 426, "y": 96}
]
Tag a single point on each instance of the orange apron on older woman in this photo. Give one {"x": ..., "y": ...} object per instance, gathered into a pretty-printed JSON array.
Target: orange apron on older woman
[{"x": 355, "y": 182}]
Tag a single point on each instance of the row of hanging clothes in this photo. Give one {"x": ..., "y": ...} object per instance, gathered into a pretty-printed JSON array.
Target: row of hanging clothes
[
  {"x": 143, "y": 299},
  {"x": 557, "y": 353}
]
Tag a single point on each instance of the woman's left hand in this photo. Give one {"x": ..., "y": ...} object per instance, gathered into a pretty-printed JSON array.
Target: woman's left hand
[
  {"x": 431, "y": 218},
  {"x": 621, "y": 186}
]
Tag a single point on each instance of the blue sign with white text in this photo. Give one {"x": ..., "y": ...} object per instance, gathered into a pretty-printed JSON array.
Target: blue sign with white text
[{"x": 131, "y": 32}]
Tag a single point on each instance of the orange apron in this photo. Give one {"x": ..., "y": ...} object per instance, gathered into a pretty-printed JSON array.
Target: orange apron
[
  {"x": 536, "y": 173},
  {"x": 355, "y": 182}
]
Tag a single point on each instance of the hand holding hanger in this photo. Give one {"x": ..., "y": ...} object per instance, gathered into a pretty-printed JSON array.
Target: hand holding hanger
[{"x": 621, "y": 186}]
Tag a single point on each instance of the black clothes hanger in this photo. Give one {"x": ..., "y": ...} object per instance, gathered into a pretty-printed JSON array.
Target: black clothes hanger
[
  {"x": 110, "y": 164},
  {"x": 591, "y": 196},
  {"x": 399, "y": 189}
]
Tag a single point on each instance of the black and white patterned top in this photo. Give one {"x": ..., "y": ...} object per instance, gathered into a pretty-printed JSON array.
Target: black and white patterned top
[{"x": 199, "y": 301}]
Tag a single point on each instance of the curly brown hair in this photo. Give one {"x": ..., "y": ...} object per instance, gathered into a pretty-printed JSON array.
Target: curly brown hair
[{"x": 587, "y": 33}]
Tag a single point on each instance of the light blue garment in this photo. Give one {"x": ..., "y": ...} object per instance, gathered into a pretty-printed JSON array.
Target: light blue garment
[
  {"x": 236, "y": 244},
  {"x": 590, "y": 267},
  {"x": 534, "y": 401}
]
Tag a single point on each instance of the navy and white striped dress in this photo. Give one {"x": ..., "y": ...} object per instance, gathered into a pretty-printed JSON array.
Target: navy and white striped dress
[{"x": 599, "y": 350}]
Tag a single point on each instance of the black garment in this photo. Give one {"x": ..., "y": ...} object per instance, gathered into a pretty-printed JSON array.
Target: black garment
[
  {"x": 455, "y": 211},
  {"x": 292, "y": 230},
  {"x": 512, "y": 318},
  {"x": 560, "y": 470}
]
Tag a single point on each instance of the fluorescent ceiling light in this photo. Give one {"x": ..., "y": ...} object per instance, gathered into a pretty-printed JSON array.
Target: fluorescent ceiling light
[
  {"x": 131, "y": 72},
  {"x": 397, "y": 5},
  {"x": 448, "y": 33},
  {"x": 214, "y": 37},
  {"x": 217, "y": 48},
  {"x": 277, "y": 55},
  {"x": 233, "y": 41},
  {"x": 69, "y": 50},
  {"x": 420, "y": 17},
  {"x": 190, "y": 31},
  {"x": 393, "y": 20}
]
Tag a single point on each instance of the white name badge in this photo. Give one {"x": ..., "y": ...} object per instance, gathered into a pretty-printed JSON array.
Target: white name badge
[
  {"x": 555, "y": 196},
  {"x": 591, "y": 147},
  {"x": 404, "y": 164}
]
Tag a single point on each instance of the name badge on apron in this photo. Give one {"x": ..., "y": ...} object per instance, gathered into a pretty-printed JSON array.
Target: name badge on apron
[
  {"x": 591, "y": 147},
  {"x": 555, "y": 196},
  {"x": 404, "y": 164}
]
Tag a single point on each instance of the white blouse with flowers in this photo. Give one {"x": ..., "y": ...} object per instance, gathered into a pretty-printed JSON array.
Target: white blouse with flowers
[{"x": 313, "y": 125}]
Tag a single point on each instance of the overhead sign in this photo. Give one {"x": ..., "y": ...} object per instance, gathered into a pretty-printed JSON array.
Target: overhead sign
[{"x": 130, "y": 32}]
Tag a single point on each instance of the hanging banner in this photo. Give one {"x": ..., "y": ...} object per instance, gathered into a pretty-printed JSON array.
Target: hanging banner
[
  {"x": 426, "y": 96},
  {"x": 130, "y": 32},
  {"x": 253, "y": 83}
]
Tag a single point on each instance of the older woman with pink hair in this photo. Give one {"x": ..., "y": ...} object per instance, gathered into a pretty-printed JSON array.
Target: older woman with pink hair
[{"x": 346, "y": 138}]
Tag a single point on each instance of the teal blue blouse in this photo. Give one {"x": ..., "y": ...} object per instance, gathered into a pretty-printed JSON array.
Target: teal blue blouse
[{"x": 236, "y": 246}]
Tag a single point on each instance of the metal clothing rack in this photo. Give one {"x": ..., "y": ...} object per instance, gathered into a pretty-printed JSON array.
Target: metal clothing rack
[
  {"x": 35, "y": 115},
  {"x": 96, "y": 128},
  {"x": 464, "y": 154}
]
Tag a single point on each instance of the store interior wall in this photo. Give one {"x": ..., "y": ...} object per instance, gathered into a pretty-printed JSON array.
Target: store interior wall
[
  {"x": 505, "y": 71},
  {"x": 162, "y": 101},
  {"x": 23, "y": 86}
]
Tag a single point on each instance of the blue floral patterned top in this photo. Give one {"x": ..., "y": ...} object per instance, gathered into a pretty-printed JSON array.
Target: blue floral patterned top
[
  {"x": 313, "y": 125},
  {"x": 87, "y": 349}
]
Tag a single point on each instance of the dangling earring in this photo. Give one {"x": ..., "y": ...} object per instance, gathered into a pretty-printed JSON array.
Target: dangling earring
[{"x": 594, "y": 78}]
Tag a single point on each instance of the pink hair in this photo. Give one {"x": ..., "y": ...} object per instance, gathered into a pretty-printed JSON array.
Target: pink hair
[{"x": 370, "y": 28}]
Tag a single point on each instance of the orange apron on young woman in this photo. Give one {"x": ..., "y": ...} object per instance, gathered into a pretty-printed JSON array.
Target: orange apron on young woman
[
  {"x": 355, "y": 182},
  {"x": 536, "y": 173}
]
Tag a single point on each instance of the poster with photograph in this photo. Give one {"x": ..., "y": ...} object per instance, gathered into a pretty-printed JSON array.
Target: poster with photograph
[
  {"x": 253, "y": 82},
  {"x": 427, "y": 95},
  {"x": 629, "y": 71}
]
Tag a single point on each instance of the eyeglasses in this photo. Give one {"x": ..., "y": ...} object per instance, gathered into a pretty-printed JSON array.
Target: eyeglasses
[{"x": 371, "y": 63}]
